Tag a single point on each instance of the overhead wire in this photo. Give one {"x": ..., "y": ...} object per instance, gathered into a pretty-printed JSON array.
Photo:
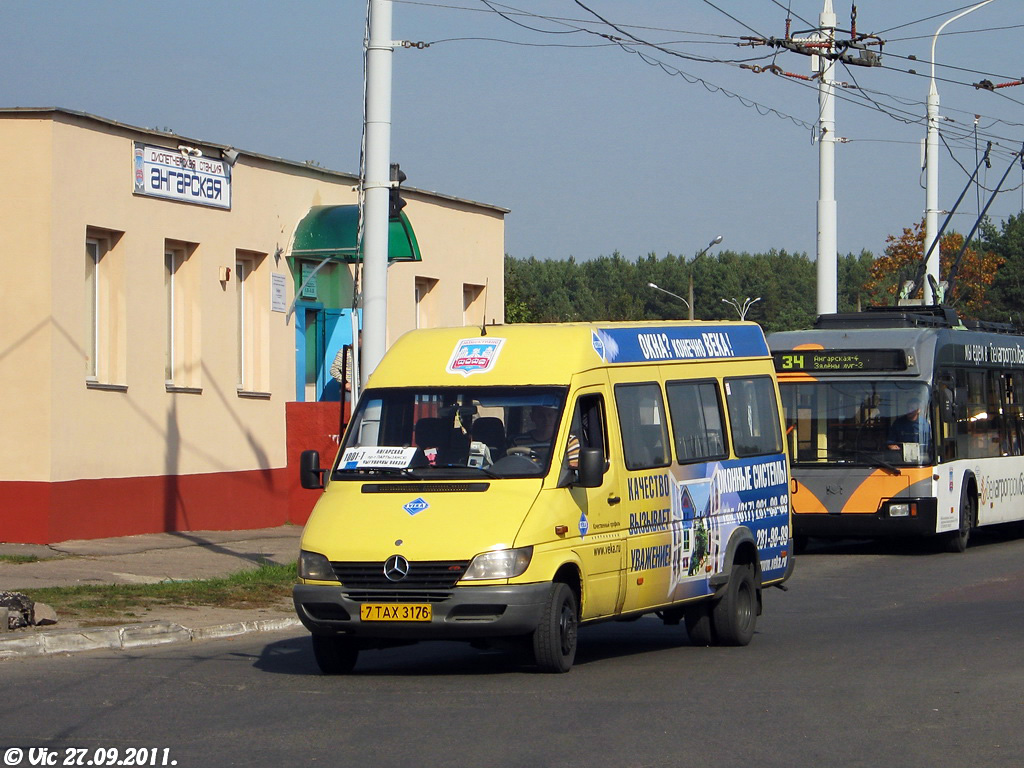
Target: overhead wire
[{"x": 891, "y": 105}]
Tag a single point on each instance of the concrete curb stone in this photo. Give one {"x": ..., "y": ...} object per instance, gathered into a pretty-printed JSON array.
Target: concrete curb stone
[{"x": 130, "y": 636}]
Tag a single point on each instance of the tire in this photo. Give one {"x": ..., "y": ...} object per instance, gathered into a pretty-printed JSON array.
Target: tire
[
  {"x": 735, "y": 613},
  {"x": 699, "y": 625},
  {"x": 554, "y": 640},
  {"x": 957, "y": 540},
  {"x": 335, "y": 655}
]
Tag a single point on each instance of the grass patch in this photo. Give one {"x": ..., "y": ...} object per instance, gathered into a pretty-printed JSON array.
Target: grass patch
[
  {"x": 258, "y": 587},
  {"x": 18, "y": 559}
]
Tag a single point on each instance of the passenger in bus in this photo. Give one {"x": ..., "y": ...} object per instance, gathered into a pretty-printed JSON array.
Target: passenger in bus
[{"x": 911, "y": 427}]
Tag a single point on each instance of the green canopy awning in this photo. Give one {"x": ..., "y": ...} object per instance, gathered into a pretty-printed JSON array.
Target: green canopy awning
[{"x": 332, "y": 231}]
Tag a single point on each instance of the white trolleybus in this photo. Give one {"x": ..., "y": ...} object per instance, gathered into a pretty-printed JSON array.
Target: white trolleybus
[{"x": 903, "y": 421}]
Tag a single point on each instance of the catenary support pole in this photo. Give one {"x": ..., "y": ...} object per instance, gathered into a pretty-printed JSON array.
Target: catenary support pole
[
  {"x": 376, "y": 186},
  {"x": 827, "y": 255}
]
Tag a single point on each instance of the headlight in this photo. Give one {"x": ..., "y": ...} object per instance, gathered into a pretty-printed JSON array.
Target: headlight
[
  {"x": 313, "y": 565},
  {"x": 899, "y": 510},
  {"x": 503, "y": 564}
]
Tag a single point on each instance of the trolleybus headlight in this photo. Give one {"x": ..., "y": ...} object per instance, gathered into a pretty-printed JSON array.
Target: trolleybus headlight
[
  {"x": 313, "y": 565},
  {"x": 503, "y": 564},
  {"x": 899, "y": 510}
]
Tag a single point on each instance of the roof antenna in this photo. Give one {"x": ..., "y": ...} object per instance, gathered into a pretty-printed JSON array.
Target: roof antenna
[{"x": 483, "y": 320}]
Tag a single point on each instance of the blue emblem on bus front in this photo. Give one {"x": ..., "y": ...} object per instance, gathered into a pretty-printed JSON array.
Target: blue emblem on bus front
[
  {"x": 584, "y": 525},
  {"x": 416, "y": 505}
]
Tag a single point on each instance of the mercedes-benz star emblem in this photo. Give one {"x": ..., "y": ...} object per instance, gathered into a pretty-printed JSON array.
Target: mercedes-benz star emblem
[{"x": 396, "y": 568}]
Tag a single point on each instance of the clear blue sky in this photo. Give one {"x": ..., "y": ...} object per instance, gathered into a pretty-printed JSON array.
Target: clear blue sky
[{"x": 592, "y": 148}]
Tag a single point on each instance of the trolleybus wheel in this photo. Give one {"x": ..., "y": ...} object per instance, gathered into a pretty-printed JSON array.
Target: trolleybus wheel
[
  {"x": 735, "y": 613},
  {"x": 554, "y": 640},
  {"x": 957, "y": 540}
]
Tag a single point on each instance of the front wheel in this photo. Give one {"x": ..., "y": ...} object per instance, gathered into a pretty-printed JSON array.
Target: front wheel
[
  {"x": 554, "y": 640},
  {"x": 735, "y": 613},
  {"x": 957, "y": 540},
  {"x": 335, "y": 655}
]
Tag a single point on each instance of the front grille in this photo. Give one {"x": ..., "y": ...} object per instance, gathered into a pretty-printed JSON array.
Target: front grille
[
  {"x": 420, "y": 488},
  {"x": 436, "y": 574},
  {"x": 396, "y": 596}
]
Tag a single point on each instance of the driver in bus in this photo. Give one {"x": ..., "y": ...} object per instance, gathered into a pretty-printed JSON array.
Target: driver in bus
[{"x": 911, "y": 427}]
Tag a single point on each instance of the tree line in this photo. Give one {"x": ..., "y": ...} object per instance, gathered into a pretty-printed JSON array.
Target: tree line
[{"x": 988, "y": 282}]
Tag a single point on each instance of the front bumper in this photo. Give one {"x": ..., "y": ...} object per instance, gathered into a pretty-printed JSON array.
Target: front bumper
[
  {"x": 458, "y": 613},
  {"x": 868, "y": 525}
]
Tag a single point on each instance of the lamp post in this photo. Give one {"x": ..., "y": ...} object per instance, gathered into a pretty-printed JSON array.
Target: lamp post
[
  {"x": 931, "y": 159},
  {"x": 742, "y": 309},
  {"x": 674, "y": 296},
  {"x": 710, "y": 245}
]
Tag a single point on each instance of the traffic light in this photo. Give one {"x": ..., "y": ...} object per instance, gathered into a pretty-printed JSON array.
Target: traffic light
[{"x": 396, "y": 203}]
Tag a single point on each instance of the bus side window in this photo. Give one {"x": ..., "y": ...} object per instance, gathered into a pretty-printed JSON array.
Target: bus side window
[
  {"x": 642, "y": 424},
  {"x": 753, "y": 416},
  {"x": 695, "y": 409},
  {"x": 588, "y": 429}
]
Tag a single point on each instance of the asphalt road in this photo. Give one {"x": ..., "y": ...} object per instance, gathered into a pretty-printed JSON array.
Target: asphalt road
[{"x": 876, "y": 656}]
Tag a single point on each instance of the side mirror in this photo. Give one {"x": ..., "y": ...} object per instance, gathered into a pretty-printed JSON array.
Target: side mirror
[
  {"x": 946, "y": 405},
  {"x": 590, "y": 472},
  {"x": 310, "y": 474}
]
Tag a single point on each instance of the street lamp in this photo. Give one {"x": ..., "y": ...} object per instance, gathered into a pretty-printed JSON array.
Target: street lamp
[
  {"x": 742, "y": 309},
  {"x": 710, "y": 245},
  {"x": 673, "y": 295},
  {"x": 931, "y": 211}
]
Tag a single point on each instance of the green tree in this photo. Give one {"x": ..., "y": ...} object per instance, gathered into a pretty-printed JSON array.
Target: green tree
[{"x": 1007, "y": 291}]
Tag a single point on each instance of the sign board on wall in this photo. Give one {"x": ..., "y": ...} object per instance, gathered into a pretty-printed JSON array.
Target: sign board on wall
[
  {"x": 173, "y": 175},
  {"x": 278, "y": 292},
  {"x": 308, "y": 281}
]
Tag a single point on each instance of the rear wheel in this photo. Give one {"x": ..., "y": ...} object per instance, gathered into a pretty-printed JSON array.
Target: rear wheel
[
  {"x": 957, "y": 540},
  {"x": 554, "y": 640},
  {"x": 335, "y": 655},
  {"x": 735, "y": 613}
]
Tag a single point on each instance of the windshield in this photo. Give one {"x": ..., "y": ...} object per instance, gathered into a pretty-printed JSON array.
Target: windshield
[
  {"x": 452, "y": 432},
  {"x": 875, "y": 423}
]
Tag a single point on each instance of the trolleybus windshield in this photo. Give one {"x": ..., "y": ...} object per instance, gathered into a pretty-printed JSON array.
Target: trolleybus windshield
[{"x": 872, "y": 423}]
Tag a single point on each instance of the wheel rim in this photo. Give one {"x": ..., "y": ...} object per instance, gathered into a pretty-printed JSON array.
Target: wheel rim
[
  {"x": 566, "y": 628},
  {"x": 745, "y": 606}
]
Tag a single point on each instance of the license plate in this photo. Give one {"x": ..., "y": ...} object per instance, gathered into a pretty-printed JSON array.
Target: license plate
[{"x": 395, "y": 612}]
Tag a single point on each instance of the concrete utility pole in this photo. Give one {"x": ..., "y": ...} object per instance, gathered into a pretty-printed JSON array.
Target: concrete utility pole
[
  {"x": 376, "y": 186},
  {"x": 931, "y": 163},
  {"x": 827, "y": 256}
]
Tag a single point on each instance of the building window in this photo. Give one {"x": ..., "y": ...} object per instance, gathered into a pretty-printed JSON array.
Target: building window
[
  {"x": 426, "y": 314},
  {"x": 181, "y": 366},
  {"x": 252, "y": 322},
  {"x": 93, "y": 312},
  {"x": 473, "y": 304},
  {"x": 104, "y": 326}
]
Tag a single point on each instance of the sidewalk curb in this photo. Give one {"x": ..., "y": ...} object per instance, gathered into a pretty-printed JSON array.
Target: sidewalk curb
[{"x": 130, "y": 636}]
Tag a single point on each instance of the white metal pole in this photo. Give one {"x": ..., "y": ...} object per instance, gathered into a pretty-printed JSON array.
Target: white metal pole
[
  {"x": 376, "y": 184},
  {"x": 931, "y": 163},
  {"x": 827, "y": 256},
  {"x": 931, "y": 191}
]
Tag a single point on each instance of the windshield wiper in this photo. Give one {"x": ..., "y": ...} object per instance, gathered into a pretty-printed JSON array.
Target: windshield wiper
[
  {"x": 871, "y": 459},
  {"x": 485, "y": 471}
]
